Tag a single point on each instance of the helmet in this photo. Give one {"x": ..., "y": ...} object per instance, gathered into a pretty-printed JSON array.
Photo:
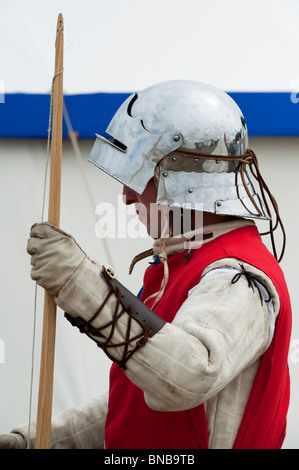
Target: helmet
[{"x": 189, "y": 136}]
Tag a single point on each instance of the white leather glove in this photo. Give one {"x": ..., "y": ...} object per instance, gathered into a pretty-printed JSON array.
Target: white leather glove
[
  {"x": 12, "y": 441},
  {"x": 55, "y": 256}
]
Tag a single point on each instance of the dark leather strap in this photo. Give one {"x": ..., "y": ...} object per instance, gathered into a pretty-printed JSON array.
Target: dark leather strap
[
  {"x": 125, "y": 303},
  {"x": 140, "y": 312}
]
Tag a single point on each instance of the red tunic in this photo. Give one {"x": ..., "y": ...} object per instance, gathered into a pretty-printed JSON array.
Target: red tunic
[{"x": 131, "y": 424}]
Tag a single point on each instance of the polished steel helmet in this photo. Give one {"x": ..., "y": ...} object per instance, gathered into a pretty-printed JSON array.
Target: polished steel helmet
[{"x": 190, "y": 136}]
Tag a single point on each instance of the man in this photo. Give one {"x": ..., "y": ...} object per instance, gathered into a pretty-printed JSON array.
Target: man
[{"x": 200, "y": 360}]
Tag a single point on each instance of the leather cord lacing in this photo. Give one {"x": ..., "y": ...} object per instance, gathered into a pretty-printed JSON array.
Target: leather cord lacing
[
  {"x": 252, "y": 282},
  {"x": 94, "y": 333},
  {"x": 249, "y": 159}
]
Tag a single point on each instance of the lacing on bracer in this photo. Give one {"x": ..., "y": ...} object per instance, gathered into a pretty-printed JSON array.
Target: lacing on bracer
[{"x": 94, "y": 333}]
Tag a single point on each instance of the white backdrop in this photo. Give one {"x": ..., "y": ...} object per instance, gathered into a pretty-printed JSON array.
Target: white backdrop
[{"x": 123, "y": 46}]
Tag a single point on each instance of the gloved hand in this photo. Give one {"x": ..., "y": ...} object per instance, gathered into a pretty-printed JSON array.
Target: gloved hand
[
  {"x": 76, "y": 282},
  {"x": 55, "y": 256},
  {"x": 12, "y": 441}
]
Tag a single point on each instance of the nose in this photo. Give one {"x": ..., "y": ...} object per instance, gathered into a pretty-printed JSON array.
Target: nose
[{"x": 129, "y": 196}]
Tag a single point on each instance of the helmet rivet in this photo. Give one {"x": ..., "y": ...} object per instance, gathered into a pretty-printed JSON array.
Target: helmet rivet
[
  {"x": 218, "y": 203},
  {"x": 196, "y": 160},
  {"x": 173, "y": 158},
  {"x": 190, "y": 190},
  {"x": 165, "y": 174},
  {"x": 217, "y": 161},
  {"x": 176, "y": 138}
]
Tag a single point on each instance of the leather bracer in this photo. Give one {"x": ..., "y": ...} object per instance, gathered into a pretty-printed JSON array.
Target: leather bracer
[{"x": 128, "y": 304}]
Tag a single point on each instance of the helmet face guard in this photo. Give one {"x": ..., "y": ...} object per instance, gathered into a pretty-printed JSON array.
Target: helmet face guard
[
  {"x": 133, "y": 153},
  {"x": 163, "y": 130}
]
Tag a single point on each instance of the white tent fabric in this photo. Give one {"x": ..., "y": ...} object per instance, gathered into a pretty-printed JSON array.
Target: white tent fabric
[{"x": 123, "y": 46}]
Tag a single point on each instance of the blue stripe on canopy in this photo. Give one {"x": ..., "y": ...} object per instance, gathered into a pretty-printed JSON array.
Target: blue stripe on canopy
[{"x": 26, "y": 115}]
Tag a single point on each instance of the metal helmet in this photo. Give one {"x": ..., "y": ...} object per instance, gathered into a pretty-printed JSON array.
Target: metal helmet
[{"x": 166, "y": 131}]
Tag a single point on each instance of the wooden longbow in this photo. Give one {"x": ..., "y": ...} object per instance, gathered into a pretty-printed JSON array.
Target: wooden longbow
[{"x": 44, "y": 410}]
